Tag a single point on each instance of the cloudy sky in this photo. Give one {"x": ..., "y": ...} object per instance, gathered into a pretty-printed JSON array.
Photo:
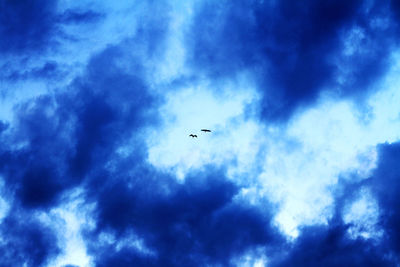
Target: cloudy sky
[{"x": 98, "y": 98}]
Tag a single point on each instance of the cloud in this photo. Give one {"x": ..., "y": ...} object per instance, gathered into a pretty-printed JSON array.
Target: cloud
[
  {"x": 3, "y": 126},
  {"x": 58, "y": 140},
  {"x": 362, "y": 215},
  {"x": 383, "y": 184},
  {"x": 67, "y": 221},
  {"x": 78, "y": 16},
  {"x": 77, "y": 130},
  {"x": 26, "y": 25},
  {"x": 33, "y": 26},
  {"x": 330, "y": 140},
  {"x": 97, "y": 168},
  {"x": 24, "y": 241},
  {"x": 180, "y": 223},
  {"x": 362, "y": 230},
  {"x": 330, "y": 246},
  {"x": 295, "y": 51},
  {"x": 186, "y": 111}
]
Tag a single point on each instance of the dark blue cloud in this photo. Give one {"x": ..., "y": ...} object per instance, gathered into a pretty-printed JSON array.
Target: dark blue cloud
[
  {"x": 331, "y": 246},
  {"x": 70, "y": 134},
  {"x": 48, "y": 71},
  {"x": 34, "y": 171},
  {"x": 3, "y": 126},
  {"x": 26, "y": 242},
  {"x": 31, "y": 26},
  {"x": 79, "y": 16},
  {"x": 384, "y": 183},
  {"x": 26, "y": 25},
  {"x": 63, "y": 140},
  {"x": 194, "y": 223},
  {"x": 111, "y": 105},
  {"x": 294, "y": 49}
]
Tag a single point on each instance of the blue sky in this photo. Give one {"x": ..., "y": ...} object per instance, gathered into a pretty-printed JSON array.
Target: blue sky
[{"x": 98, "y": 98}]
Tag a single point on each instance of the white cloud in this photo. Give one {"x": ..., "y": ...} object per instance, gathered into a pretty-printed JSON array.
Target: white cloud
[
  {"x": 253, "y": 258},
  {"x": 172, "y": 65},
  {"x": 129, "y": 240},
  {"x": 363, "y": 216},
  {"x": 187, "y": 111},
  {"x": 69, "y": 220}
]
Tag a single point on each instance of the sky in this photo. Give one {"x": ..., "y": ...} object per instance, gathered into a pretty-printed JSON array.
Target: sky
[{"x": 98, "y": 99}]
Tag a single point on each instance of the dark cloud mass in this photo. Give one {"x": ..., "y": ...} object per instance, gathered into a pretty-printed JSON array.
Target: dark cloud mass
[
  {"x": 32, "y": 25},
  {"x": 58, "y": 140},
  {"x": 78, "y": 16},
  {"x": 71, "y": 138},
  {"x": 385, "y": 184},
  {"x": 26, "y": 25},
  {"x": 26, "y": 242},
  {"x": 295, "y": 49},
  {"x": 69, "y": 135},
  {"x": 195, "y": 223},
  {"x": 49, "y": 70},
  {"x": 331, "y": 246}
]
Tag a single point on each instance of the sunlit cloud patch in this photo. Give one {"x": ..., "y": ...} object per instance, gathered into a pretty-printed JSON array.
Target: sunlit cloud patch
[{"x": 187, "y": 111}]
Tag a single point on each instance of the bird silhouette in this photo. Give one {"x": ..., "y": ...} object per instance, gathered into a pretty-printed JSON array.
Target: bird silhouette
[
  {"x": 206, "y": 131},
  {"x": 193, "y": 135}
]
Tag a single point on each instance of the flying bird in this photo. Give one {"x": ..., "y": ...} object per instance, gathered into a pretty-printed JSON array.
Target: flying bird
[
  {"x": 206, "y": 131},
  {"x": 193, "y": 135}
]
